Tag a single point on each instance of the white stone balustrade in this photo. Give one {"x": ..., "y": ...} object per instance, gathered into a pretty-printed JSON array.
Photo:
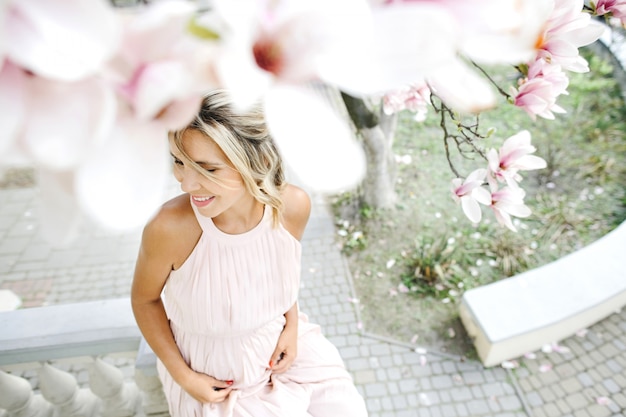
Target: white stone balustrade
[{"x": 40, "y": 342}]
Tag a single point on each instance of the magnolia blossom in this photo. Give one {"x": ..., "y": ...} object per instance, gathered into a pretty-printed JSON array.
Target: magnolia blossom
[
  {"x": 537, "y": 93},
  {"x": 485, "y": 31},
  {"x": 47, "y": 45},
  {"x": 159, "y": 72},
  {"x": 61, "y": 40},
  {"x": 514, "y": 156},
  {"x": 507, "y": 202},
  {"x": 89, "y": 92},
  {"x": 273, "y": 51},
  {"x": 415, "y": 98},
  {"x": 612, "y": 8},
  {"x": 366, "y": 49},
  {"x": 84, "y": 107},
  {"x": 469, "y": 193},
  {"x": 567, "y": 29}
]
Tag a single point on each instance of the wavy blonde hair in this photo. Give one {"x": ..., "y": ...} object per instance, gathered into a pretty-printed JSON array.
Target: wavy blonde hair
[{"x": 246, "y": 142}]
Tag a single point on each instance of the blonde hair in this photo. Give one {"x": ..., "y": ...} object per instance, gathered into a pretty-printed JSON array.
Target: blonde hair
[{"x": 246, "y": 142}]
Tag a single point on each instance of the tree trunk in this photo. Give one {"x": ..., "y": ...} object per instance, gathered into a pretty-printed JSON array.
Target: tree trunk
[{"x": 377, "y": 131}]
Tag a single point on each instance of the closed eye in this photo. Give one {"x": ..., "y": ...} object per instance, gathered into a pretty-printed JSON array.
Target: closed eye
[{"x": 176, "y": 160}]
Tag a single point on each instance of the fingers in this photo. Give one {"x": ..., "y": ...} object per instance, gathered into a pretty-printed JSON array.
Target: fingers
[
  {"x": 220, "y": 390},
  {"x": 281, "y": 362},
  {"x": 221, "y": 385},
  {"x": 219, "y": 394},
  {"x": 282, "y": 365},
  {"x": 277, "y": 356},
  {"x": 207, "y": 389}
]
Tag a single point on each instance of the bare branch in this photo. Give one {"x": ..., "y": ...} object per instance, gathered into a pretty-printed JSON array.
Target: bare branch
[
  {"x": 492, "y": 81},
  {"x": 465, "y": 136}
]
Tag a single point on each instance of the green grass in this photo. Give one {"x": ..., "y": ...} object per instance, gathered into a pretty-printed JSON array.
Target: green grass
[{"x": 426, "y": 244}]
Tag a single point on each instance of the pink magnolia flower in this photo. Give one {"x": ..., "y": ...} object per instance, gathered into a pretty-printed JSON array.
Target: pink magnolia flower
[
  {"x": 51, "y": 42},
  {"x": 96, "y": 154},
  {"x": 540, "y": 68},
  {"x": 159, "y": 71},
  {"x": 489, "y": 32},
  {"x": 538, "y": 92},
  {"x": 59, "y": 39},
  {"x": 514, "y": 156},
  {"x": 507, "y": 202},
  {"x": 494, "y": 31},
  {"x": 567, "y": 29},
  {"x": 469, "y": 193},
  {"x": 415, "y": 98},
  {"x": 273, "y": 51},
  {"x": 612, "y": 8},
  {"x": 536, "y": 97}
]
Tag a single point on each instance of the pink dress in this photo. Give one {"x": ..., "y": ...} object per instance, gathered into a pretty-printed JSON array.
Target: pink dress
[{"x": 226, "y": 304}]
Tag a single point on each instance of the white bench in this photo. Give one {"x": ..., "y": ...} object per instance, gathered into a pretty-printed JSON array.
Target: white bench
[
  {"x": 511, "y": 317},
  {"x": 68, "y": 330}
]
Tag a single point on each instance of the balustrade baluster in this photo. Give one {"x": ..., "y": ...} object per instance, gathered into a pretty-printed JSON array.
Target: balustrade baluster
[
  {"x": 18, "y": 399},
  {"x": 61, "y": 389},
  {"x": 154, "y": 402},
  {"x": 120, "y": 399}
]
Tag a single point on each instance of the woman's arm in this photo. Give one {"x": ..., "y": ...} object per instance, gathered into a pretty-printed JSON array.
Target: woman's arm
[
  {"x": 287, "y": 346},
  {"x": 154, "y": 263}
]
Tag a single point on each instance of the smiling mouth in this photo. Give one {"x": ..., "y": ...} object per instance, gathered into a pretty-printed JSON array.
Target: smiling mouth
[{"x": 202, "y": 201}]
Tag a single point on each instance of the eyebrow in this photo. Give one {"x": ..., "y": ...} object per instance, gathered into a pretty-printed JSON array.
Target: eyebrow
[{"x": 204, "y": 163}]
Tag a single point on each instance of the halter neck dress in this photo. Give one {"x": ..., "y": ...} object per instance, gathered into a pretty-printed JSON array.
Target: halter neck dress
[{"x": 226, "y": 307}]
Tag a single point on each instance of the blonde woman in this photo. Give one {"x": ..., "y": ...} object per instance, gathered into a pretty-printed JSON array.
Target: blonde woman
[{"x": 217, "y": 277}]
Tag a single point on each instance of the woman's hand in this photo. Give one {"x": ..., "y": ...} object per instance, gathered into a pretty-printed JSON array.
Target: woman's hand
[
  {"x": 286, "y": 350},
  {"x": 205, "y": 388}
]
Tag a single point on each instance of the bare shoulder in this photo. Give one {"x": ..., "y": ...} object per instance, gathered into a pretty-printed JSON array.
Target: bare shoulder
[
  {"x": 296, "y": 211},
  {"x": 168, "y": 216},
  {"x": 172, "y": 232}
]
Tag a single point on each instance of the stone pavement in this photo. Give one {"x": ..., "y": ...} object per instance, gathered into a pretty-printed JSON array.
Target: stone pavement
[{"x": 583, "y": 376}]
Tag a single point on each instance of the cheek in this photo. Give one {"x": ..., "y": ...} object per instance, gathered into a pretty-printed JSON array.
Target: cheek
[{"x": 178, "y": 174}]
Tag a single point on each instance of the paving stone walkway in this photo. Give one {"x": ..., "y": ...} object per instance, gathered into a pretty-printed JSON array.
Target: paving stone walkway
[{"x": 583, "y": 376}]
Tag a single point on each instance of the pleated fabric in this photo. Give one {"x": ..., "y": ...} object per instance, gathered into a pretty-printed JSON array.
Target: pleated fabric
[{"x": 226, "y": 307}]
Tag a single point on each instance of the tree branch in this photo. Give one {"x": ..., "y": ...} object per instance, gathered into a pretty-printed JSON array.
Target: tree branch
[
  {"x": 360, "y": 114},
  {"x": 492, "y": 81}
]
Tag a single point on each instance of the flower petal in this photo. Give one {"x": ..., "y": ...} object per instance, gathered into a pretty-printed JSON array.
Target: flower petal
[
  {"x": 399, "y": 46},
  {"x": 60, "y": 213},
  {"x": 504, "y": 218},
  {"x": 500, "y": 31},
  {"x": 66, "y": 120},
  {"x": 529, "y": 162},
  {"x": 122, "y": 183},
  {"x": 471, "y": 209},
  {"x": 461, "y": 88},
  {"x": 157, "y": 29},
  {"x": 158, "y": 84},
  {"x": 517, "y": 210},
  {"x": 482, "y": 195},
  {"x": 61, "y": 39},
  {"x": 477, "y": 175},
  {"x": 239, "y": 74},
  {"x": 12, "y": 104},
  {"x": 314, "y": 141},
  {"x": 180, "y": 113}
]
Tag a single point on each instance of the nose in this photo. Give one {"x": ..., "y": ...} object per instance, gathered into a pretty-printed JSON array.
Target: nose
[{"x": 188, "y": 178}]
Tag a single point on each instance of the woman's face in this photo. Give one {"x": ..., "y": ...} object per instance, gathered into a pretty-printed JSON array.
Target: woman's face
[{"x": 209, "y": 197}]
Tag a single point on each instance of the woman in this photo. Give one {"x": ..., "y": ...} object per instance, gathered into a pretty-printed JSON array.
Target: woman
[{"x": 217, "y": 277}]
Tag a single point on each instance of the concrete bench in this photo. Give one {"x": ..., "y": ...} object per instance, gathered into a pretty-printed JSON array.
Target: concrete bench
[
  {"x": 511, "y": 317},
  {"x": 66, "y": 330}
]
